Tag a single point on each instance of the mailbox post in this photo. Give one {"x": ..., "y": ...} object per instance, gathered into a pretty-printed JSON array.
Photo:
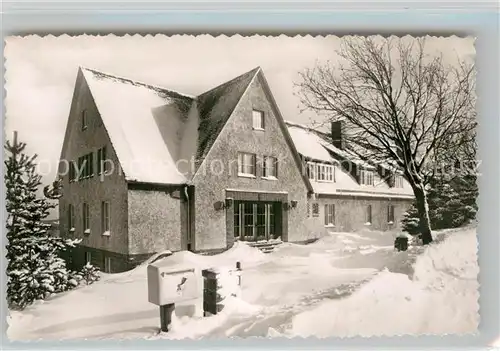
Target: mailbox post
[
  {"x": 216, "y": 290},
  {"x": 168, "y": 285}
]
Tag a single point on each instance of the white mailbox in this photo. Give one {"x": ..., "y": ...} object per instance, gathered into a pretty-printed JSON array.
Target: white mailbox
[{"x": 168, "y": 285}]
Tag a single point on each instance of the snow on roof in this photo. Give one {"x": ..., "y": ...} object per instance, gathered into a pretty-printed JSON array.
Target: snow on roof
[
  {"x": 309, "y": 144},
  {"x": 130, "y": 111},
  {"x": 313, "y": 144}
]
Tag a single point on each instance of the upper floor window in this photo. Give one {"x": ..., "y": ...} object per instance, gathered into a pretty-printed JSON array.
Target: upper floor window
[
  {"x": 246, "y": 164},
  {"x": 311, "y": 170},
  {"x": 321, "y": 172},
  {"x": 72, "y": 171},
  {"x": 270, "y": 167},
  {"x": 102, "y": 165},
  {"x": 366, "y": 177},
  {"x": 84, "y": 119},
  {"x": 258, "y": 119},
  {"x": 398, "y": 181},
  {"x": 86, "y": 165}
]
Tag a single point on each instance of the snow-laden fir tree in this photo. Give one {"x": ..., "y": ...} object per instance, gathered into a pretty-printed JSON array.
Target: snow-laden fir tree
[
  {"x": 34, "y": 269},
  {"x": 90, "y": 273},
  {"x": 452, "y": 204}
]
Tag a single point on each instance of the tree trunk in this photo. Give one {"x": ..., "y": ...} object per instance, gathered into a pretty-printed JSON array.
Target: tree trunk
[{"x": 423, "y": 214}]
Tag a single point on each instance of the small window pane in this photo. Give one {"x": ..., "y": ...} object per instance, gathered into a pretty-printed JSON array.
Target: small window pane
[
  {"x": 258, "y": 119},
  {"x": 246, "y": 163},
  {"x": 84, "y": 120},
  {"x": 270, "y": 164}
]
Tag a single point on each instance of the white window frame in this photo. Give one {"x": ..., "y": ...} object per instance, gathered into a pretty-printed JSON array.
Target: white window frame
[
  {"x": 86, "y": 218},
  {"x": 270, "y": 164},
  {"x": 105, "y": 218},
  {"x": 366, "y": 177},
  {"x": 321, "y": 172},
  {"x": 398, "y": 181},
  {"x": 246, "y": 163},
  {"x": 258, "y": 122}
]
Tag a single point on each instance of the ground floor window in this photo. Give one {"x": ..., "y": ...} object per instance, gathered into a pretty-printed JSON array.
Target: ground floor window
[
  {"x": 329, "y": 214},
  {"x": 369, "y": 214},
  {"x": 390, "y": 214},
  {"x": 71, "y": 218},
  {"x": 107, "y": 264},
  {"x": 88, "y": 257},
  {"x": 86, "y": 218},
  {"x": 255, "y": 220},
  {"x": 105, "y": 222}
]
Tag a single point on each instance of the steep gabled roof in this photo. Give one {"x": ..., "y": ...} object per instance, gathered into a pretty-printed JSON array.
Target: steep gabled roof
[
  {"x": 138, "y": 123},
  {"x": 215, "y": 107}
]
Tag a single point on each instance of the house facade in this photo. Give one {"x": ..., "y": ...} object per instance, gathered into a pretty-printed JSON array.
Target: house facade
[{"x": 146, "y": 169}]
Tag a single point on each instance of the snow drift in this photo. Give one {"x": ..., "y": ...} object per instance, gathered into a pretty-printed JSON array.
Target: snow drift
[
  {"x": 344, "y": 284},
  {"x": 440, "y": 298}
]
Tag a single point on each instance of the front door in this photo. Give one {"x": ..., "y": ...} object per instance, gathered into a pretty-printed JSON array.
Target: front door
[{"x": 256, "y": 220}]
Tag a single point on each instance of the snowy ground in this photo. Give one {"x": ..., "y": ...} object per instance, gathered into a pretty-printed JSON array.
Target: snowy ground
[{"x": 345, "y": 284}]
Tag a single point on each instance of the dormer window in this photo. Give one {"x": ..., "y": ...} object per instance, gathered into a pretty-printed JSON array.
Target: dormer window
[
  {"x": 398, "y": 181},
  {"x": 84, "y": 120},
  {"x": 258, "y": 120},
  {"x": 365, "y": 177},
  {"x": 321, "y": 172}
]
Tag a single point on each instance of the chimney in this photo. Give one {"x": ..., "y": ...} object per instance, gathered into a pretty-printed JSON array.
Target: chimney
[{"x": 338, "y": 134}]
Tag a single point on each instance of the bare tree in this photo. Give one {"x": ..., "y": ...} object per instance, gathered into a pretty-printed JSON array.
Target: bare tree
[{"x": 401, "y": 105}]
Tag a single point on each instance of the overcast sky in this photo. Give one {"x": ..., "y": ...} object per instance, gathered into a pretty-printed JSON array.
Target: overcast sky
[{"x": 41, "y": 72}]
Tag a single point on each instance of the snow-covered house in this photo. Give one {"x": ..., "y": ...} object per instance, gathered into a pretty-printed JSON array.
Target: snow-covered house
[
  {"x": 349, "y": 193},
  {"x": 146, "y": 169}
]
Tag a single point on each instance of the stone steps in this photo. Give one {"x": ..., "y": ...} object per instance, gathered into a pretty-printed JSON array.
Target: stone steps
[{"x": 265, "y": 246}]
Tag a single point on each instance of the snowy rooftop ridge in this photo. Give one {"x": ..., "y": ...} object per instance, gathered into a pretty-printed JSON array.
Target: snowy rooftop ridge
[{"x": 159, "y": 89}]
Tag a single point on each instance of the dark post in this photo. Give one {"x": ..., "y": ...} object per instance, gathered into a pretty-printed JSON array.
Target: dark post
[
  {"x": 166, "y": 316},
  {"x": 238, "y": 268},
  {"x": 210, "y": 295},
  {"x": 401, "y": 243}
]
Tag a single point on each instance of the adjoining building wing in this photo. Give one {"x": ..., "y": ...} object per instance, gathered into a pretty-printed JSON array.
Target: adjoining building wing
[{"x": 333, "y": 170}]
